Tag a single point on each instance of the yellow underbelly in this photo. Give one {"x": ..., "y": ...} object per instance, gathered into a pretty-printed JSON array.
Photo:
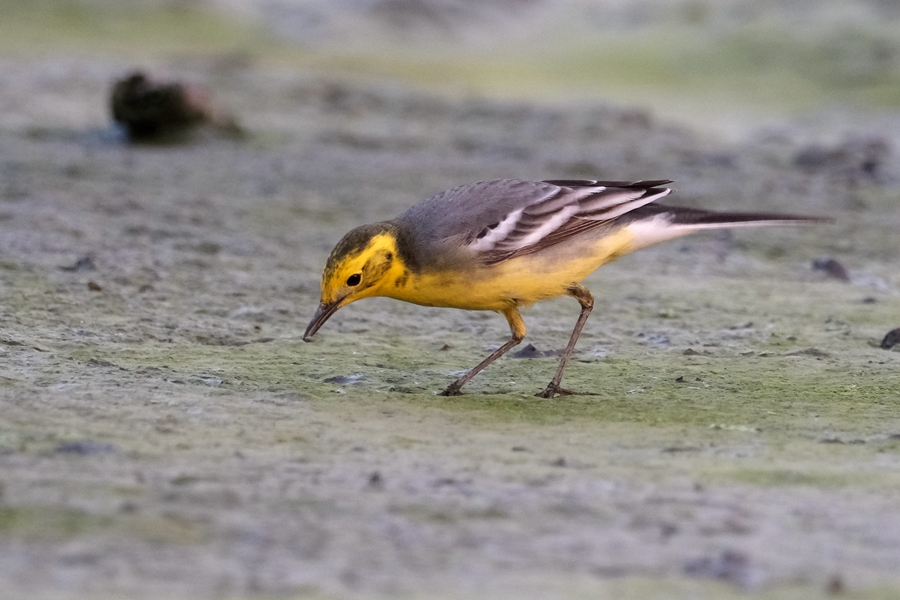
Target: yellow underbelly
[{"x": 517, "y": 282}]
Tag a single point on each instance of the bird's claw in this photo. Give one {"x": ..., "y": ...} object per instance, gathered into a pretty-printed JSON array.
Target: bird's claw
[{"x": 552, "y": 390}]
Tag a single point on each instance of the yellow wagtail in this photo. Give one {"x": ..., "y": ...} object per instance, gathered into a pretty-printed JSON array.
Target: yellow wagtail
[{"x": 504, "y": 244}]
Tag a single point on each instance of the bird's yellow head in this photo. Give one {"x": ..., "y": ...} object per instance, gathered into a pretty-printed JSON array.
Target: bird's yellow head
[{"x": 365, "y": 263}]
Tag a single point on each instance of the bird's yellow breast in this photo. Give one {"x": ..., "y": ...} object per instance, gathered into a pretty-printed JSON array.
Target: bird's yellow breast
[{"x": 519, "y": 281}]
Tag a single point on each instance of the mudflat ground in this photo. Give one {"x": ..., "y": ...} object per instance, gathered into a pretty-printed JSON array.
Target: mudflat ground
[{"x": 165, "y": 432}]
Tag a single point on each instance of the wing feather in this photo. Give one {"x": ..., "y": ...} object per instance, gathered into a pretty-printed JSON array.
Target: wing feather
[
  {"x": 504, "y": 218},
  {"x": 488, "y": 237},
  {"x": 593, "y": 201},
  {"x": 564, "y": 197}
]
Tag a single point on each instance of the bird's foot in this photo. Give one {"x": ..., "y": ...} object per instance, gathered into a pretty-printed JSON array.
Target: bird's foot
[
  {"x": 552, "y": 390},
  {"x": 452, "y": 390}
]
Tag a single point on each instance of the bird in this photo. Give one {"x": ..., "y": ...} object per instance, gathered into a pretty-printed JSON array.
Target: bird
[{"x": 505, "y": 244}]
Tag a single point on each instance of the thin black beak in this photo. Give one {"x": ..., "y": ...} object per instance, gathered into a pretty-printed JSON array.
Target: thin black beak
[{"x": 322, "y": 314}]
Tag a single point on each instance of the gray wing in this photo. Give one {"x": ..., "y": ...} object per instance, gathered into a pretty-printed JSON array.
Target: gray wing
[
  {"x": 503, "y": 216},
  {"x": 467, "y": 209}
]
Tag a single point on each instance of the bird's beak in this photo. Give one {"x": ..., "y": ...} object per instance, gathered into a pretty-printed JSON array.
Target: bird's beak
[{"x": 322, "y": 314}]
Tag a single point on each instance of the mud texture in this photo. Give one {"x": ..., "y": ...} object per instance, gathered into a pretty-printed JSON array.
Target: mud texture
[{"x": 165, "y": 432}]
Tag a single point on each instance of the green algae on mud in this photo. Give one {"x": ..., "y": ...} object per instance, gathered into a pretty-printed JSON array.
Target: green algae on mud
[
  {"x": 34, "y": 523},
  {"x": 730, "y": 387},
  {"x": 659, "y": 399},
  {"x": 742, "y": 404},
  {"x": 682, "y": 72},
  {"x": 49, "y": 27},
  {"x": 810, "y": 353}
]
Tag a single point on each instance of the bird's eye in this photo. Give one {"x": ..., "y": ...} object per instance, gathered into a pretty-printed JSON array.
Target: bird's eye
[{"x": 354, "y": 279}]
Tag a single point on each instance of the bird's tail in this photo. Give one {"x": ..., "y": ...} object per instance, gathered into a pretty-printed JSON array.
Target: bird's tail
[{"x": 656, "y": 223}]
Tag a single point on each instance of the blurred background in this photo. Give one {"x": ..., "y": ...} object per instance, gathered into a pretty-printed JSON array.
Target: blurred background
[
  {"x": 166, "y": 433},
  {"x": 724, "y": 65}
]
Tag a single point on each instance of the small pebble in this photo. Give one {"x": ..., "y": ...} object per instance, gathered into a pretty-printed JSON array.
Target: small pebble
[
  {"x": 376, "y": 481},
  {"x": 81, "y": 265},
  {"x": 832, "y": 268},
  {"x": 530, "y": 351}
]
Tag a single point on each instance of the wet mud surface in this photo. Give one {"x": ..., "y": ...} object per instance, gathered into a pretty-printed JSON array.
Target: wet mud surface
[{"x": 165, "y": 432}]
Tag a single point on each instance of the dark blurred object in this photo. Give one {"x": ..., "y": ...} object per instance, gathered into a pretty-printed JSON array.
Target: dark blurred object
[
  {"x": 730, "y": 566},
  {"x": 832, "y": 268},
  {"x": 857, "y": 159},
  {"x": 86, "y": 447},
  {"x": 530, "y": 351},
  {"x": 85, "y": 263},
  {"x": 891, "y": 339},
  {"x": 152, "y": 109}
]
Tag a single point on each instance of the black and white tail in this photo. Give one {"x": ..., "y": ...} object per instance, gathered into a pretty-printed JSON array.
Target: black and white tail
[{"x": 655, "y": 223}]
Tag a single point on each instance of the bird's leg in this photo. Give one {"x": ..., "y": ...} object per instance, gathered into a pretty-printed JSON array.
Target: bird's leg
[
  {"x": 586, "y": 300},
  {"x": 517, "y": 327}
]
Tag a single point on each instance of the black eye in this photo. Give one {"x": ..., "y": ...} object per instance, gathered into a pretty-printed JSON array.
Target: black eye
[{"x": 354, "y": 279}]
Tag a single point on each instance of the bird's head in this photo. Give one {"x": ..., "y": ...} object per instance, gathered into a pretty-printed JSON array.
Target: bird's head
[{"x": 362, "y": 265}]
